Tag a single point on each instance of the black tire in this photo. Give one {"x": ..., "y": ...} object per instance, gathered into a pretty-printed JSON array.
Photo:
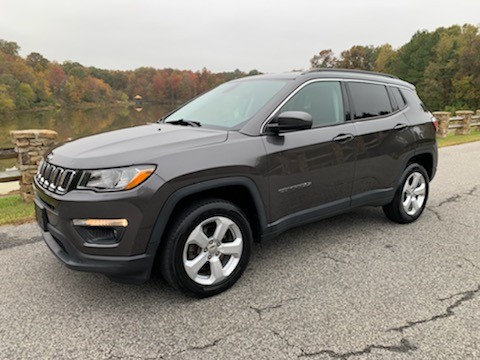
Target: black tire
[
  {"x": 174, "y": 247},
  {"x": 395, "y": 210}
]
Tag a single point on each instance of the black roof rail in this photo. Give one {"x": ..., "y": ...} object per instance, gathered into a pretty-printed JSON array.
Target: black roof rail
[{"x": 350, "y": 71}]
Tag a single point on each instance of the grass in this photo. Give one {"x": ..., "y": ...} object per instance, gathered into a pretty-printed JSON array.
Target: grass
[
  {"x": 453, "y": 139},
  {"x": 13, "y": 210}
]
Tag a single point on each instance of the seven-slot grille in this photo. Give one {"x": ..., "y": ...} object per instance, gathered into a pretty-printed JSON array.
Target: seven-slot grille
[{"x": 54, "y": 178}]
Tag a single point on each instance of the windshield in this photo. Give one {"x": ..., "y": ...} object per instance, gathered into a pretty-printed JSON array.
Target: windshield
[{"x": 229, "y": 104}]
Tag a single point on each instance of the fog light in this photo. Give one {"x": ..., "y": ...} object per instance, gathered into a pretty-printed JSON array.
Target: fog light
[{"x": 101, "y": 222}]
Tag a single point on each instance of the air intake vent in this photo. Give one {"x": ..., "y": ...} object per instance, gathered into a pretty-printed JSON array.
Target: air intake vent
[{"x": 54, "y": 178}]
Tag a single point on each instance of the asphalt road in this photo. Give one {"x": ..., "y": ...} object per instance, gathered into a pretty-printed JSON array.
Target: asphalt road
[{"x": 354, "y": 286}]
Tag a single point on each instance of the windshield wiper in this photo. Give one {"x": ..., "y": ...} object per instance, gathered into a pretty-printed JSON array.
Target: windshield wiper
[{"x": 184, "y": 123}]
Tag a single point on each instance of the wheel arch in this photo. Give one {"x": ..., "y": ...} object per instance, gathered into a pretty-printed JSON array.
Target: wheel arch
[
  {"x": 240, "y": 190},
  {"x": 426, "y": 160}
]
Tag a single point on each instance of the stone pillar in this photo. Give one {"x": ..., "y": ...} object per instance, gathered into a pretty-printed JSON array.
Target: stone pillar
[
  {"x": 443, "y": 119},
  {"x": 30, "y": 146},
  {"x": 477, "y": 128},
  {"x": 467, "y": 119}
]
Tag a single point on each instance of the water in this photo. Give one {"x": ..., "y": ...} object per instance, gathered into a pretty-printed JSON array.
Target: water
[{"x": 77, "y": 123}]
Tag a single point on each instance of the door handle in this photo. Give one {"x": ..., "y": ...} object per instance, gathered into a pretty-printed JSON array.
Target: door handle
[
  {"x": 343, "y": 138},
  {"x": 400, "y": 126}
]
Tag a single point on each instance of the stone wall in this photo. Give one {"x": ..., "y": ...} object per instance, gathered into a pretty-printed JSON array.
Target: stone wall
[
  {"x": 30, "y": 146},
  {"x": 463, "y": 122}
]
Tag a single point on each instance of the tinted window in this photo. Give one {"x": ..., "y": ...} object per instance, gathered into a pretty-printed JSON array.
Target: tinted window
[
  {"x": 323, "y": 100},
  {"x": 369, "y": 100},
  {"x": 397, "y": 95}
]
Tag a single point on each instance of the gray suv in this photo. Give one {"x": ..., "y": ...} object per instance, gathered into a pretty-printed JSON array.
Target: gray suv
[{"x": 243, "y": 162}]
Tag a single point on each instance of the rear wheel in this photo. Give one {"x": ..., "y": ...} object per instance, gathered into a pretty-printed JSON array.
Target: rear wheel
[
  {"x": 411, "y": 196},
  {"x": 207, "y": 248}
]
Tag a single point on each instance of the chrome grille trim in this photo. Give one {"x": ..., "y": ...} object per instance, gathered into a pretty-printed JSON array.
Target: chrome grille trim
[{"x": 54, "y": 178}]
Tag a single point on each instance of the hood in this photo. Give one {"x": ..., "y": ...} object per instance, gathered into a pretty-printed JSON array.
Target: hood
[{"x": 137, "y": 145}]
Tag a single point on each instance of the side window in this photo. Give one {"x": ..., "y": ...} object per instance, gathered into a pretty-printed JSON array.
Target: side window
[
  {"x": 369, "y": 100},
  {"x": 323, "y": 100},
  {"x": 397, "y": 95}
]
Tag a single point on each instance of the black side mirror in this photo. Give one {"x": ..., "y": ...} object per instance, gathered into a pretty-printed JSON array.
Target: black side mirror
[{"x": 290, "y": 121}]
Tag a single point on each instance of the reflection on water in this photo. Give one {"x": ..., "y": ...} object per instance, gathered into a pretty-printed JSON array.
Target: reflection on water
[{"x": 76, "y": 123}]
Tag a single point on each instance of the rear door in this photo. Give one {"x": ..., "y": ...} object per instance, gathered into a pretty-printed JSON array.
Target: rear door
[
  {"x": 310, "y": 172},
  {"x": 384, "y": 137}
]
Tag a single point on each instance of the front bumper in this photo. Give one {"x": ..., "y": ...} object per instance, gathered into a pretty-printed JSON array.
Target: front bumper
[
  {"x": 131, "y": 269},
  {"x": 129, "y": 260}
]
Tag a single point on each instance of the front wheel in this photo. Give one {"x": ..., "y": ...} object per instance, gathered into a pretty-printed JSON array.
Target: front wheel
[
  {"x": 411, "y": 196},
  {"x": 207, "y": 248}
]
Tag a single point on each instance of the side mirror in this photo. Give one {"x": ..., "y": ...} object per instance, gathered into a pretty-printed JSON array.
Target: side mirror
[{"x": 290, "y": 121}]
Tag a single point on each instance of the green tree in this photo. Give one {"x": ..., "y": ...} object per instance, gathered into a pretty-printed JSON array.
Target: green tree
[
  {"x": 413, "y": 57},
  {"x": 438, "y": 86},
  {"x": 9, "y": 47},
  {"x": 37, "y": 61},
  {"x": 6, "y": 102},
  {"x": 24, "y": 96}
]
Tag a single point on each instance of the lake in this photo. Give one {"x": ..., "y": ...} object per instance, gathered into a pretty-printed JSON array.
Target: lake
[{"x": 77, "y": 123}]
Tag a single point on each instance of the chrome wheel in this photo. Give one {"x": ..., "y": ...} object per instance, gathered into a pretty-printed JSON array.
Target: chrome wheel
[
  {"x": 212, "y": 250},
  {"x": 414, "y": 193}
]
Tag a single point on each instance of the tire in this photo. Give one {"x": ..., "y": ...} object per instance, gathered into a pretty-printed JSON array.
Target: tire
[
  {"x": 196, "y": 258},
  {"x": 410, "y": 197}
]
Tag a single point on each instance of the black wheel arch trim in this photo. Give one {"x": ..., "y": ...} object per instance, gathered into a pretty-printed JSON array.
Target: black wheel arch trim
[
  {"x": 433, "y": 152},
  {"x": 167, "y": 210},
  {"x": 411, "y": 154}
]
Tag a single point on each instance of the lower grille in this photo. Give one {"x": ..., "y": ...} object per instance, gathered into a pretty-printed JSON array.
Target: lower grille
[{"x": 54, "y": 178}]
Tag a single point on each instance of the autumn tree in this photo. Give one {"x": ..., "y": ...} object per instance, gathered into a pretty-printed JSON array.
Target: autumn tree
[
  {"x": 359, "y": 57},
  {"x": 385, "y": 56},
  {"x": 324, "y": 59}
]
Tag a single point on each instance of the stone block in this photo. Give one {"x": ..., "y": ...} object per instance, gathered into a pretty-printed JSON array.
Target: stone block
[
  {"x": 467, "y": 120},
  {"x": 49, "y": 134},
  {"x": 443, "y": 119},
  {"x": 23, "y": 134}
]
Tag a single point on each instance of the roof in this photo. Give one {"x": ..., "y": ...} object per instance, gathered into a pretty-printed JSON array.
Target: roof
[
  {"x": 355, "y": 71},
  {"x": 348, "y": 74}
]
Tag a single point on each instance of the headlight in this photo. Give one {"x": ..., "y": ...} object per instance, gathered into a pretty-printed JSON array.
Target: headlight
[{"x": 116, "y": 179}]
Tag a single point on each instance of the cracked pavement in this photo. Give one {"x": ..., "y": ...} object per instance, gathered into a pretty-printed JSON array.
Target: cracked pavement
[{"x": 352, "y": 287}]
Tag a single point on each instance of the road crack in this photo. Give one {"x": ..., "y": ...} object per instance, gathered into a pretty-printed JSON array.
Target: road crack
[
  {"x": 403, "y": 347},
  {"x": 449, "y": 311},
  {"x": 206, "y": 346},
  {"x": 435, "y": 212},
  {"x": 451, "y": 199},
  {"x": 469, "y": 261},
  {"x": 203, "y": 347},
  {"x": 472, "y": 191},
  {"x": 261, "y": 310},
  {"x": 338, "y": 261}
]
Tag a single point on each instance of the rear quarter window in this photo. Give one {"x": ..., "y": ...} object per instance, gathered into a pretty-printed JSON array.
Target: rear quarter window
[
  {"x": 399, "y": 99},
  {"x": 369, "y": 100}
]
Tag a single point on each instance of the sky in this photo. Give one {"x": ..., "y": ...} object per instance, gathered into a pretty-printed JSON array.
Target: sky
[{"x": 270, "y": 36}]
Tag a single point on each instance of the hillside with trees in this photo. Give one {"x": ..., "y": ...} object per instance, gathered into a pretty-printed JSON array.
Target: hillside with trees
[
  {"x": 35, "y": 82},
  {"x": 443, "y": 64}
]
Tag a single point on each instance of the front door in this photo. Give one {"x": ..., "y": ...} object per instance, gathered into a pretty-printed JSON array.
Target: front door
[{"x": 310, "y": 172}]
